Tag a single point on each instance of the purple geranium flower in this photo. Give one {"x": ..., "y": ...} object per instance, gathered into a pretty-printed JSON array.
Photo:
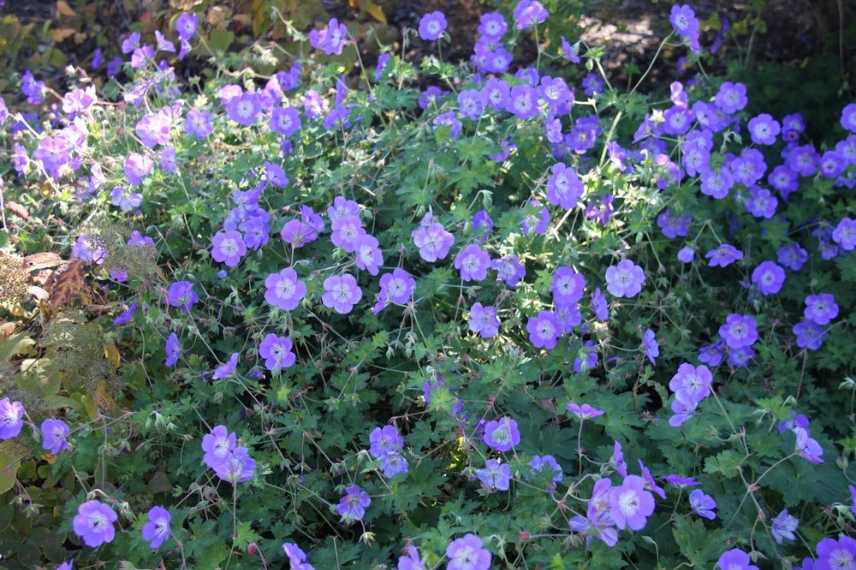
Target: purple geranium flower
[
  {"x": 432, "y": 26},
  {"x": 761, "y": 203},
  {"x": 852, "y": 498},
  {"x": 483, "y": 320},
  {"x": 564, "y": 187},
  {"x": 384, "y": 441},
  {"x": 244, "y": 108},
  {"x": 492, "y": 25},
  {"x": 537, "y": 222},
  {"x": 692, "y": 383},
  {"x": 702, "y": 504},
  {"x": 172, "y": 349},
  {"x": 285, "y": 121},
  {"x": 848, "y": 117},
  {"x": 568, "y": 286},
  {"x": 126, "y": 199},
  {"x": 89, "y": 250},
  {"x": 167, "y": 160},
  {"x": 126, "y": 316},
  {"x": 586, "y": 357},
  {"x": 820, "y": 309},
  {"x": 432, "y": 239},
  {"x": 617, "y": 459},
  {"x": 631, "y": 504},
  {"x": 495, "y": 475},
  {"x": 717, "y": 183},
  {"x": 137, "y": 168},
  {"x": 528, "y": 13},
  {"x": 650, "y": 345},
  {"x": 343, "y": 208},
  {"x": 723, "y": 256},
  {"x": 783, "y": 527},
  {"x": 832, "y": 164},
  {"x": 347, "y": 230},
  {"x": 509, "y": 270},
  {"x": 353, "y": 504},
  {"x": 471, "y": 102},
  {"x": 844, "y": 234},
  {"x": 154, "y": 128},
  {"x": 502, "y": 434},
  {"x": 731, "y": 97},
  {"x": 809, "y": 335},
  {"x": 544, "y": 329},
  {"x": 284, "y": 289},
  {"x": 54, "y": 435},
  {"x": 467, "y": 553},
  {"x": 768, "y": 277},
  {"x": 185, "y": 25},
  {"x": 496, "y": 93},
  {"x": 599, "y": 305},
  {"x": 227, "y": 369},
  {"x": 625, "y": 279},
  {"x": 674, "y": 226},
  {"x": 739, "y": 331},
  {"x": 33, "y": 89},
  {"x": 367, "y": 253},
  {"x": 783, "y": 179},
  {"x": 341, "y": 293},
  {"x": 584, "y": 411},
  {"x": 237, "y": 467},
  {"x": 764, "y": 129},
  {"x": 680, "y": 481},
  {"x": 297, "y": 559},
  {"x": 482, "y": 224},
  {"x": 685, "y": 23},
  {"x": 181, "y": 295},
  {"x": 396, "y": 287},
  {"x": 836, "y": 554},
  {"x": 448, "y": 119},
  {"x": 807, "y": 447},
  {"x": 735, "y": 559},
  {"x": 523, "y": 102},
  {"x": 331, "y": 38},
  {"x": 597, "y": 523},
  {"x": 792, "y": 256},
  {"x": 217, "y": 445},
  {"x": 276, "y": 350},
  {"x": 156, "y": 531},
  {"x": 228, "y": 247},
  {"x": 94, "y": 523},
  {"x": 472, "y": 262},
  {"x": 539, "y": 462},
  {"x": 793, "y": 126},
  {"x": 297, "y": 233}
]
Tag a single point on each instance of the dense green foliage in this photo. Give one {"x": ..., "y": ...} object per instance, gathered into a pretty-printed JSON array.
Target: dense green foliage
[{"x": 137, "y": 421}]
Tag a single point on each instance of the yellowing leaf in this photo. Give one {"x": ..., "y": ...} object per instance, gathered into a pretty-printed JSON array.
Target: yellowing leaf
[
  {"x": 111, "y": 353},
  {"x": 103, "y": 397},
  {"x": 61, "y": 34},
  {"x": 63, "y": 9},
  {"x": 374, "y": 11}
]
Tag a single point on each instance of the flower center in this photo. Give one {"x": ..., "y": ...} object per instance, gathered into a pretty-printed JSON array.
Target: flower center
[{"x": 629, "y": 503}]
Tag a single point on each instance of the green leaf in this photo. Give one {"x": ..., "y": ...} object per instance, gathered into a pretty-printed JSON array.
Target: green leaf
[
  {"x": 220, "y": 40},
  {"x": 701, "y": 545},
  {"x": 725, "y": 463},
  {"x": 245, "y": 535}
]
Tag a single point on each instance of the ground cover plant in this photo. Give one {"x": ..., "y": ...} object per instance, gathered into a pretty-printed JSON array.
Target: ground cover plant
[{"x": 464, "y": 316}]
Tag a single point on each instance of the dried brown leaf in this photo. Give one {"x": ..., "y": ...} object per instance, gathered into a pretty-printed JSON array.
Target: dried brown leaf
[
  {"x": 68, "y": 284},
  {"x": 43, "y": 260}
]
